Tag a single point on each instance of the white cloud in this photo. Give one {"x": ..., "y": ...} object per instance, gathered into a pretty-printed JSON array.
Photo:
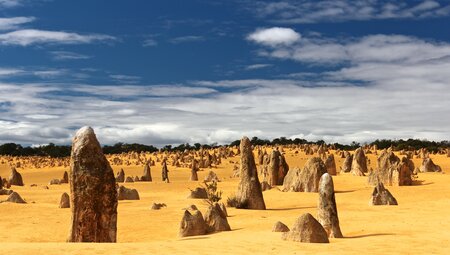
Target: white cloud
[
  {"x": 14, "y": 23},
  {"x": 378, "y": 78},
  {"x": 28, "y": 37},
  {"x": 144, "y": 117},
  {"x": 345, "y": 10},
  {"x": 373, "y": 48},
  {"x": 257, "y": 66},
  {"x": 121, "y": 78},
  {"x": 274, "y": 36},
  {"x": 67, "y": 55},
  {"x": 425, "y": 6},
  {"x": 10, "y": 3},
  {"x": 173, "y": 91},
  {"x": 236, "y": 84},
  {"x": 379, "y": 86},
  {"x": 150, "y": 43},
  {"x": 398, "y": 103},
  {"x": 41, "y": 116},
  {"x": 7, "y": 72},
  {"x": 47, "y": 74},
  {"x": 144, "y": 91},
  {"x": 41, "y": 73}
]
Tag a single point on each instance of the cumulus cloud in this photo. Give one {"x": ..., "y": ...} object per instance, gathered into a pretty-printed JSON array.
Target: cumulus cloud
[
  {"x": 145, "y": 116},
  {"x": 372, "y": 48},
  {"x": 14, "y": 23},
  {"x": 344, "y": 10},
  {"x": 378, "y": 86},
  {"x": 26, "y": 37},
  {"x": 398, "y": 103},
  {"x": 274, "y": 36}
]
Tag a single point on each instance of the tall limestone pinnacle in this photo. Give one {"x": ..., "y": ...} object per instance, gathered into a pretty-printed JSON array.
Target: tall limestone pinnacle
[
  {"x": 92, "y": 191},
  {"x": 249, "y": 195},
  {"x": 327, "y": 210}
]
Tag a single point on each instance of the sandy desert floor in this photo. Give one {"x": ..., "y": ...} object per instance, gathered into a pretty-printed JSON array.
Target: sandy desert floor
[{"x": 419, "y": 225}]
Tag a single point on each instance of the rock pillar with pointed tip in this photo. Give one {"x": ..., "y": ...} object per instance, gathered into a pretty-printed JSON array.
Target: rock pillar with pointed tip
[{"x": 92, "y": 191}]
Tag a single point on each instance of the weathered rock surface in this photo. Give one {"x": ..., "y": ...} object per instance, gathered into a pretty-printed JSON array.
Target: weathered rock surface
[
  {"x": 429, "y": 166},
  {"x": 274, "y": 167},
  {"x": 307, "y": 179},
  {"x": 15, "y": 178},
  {"x": 194, "y": 170},
  {"x": 216, "y": 219},
  {"x": 124, "y": 193},
  {"x": 391, "y": 170},
  {"x": 6, "y": 192},
  {"x": 359, "y": 163},
  {"x": 198, "y": 193},
  {"x": 6, "y": 183},
  {"x": 249, "y": 194},
  {"x": 347, "y": 164},
  {"x": 65, "y": 178},
  {"x": 330, "y": 164},
  {"x": 192, "y": 224},
  {"x": 306, "y": 229},
  {"x": 280, "y": 227},
  {"x": 283, "y": 170},
  {"x": 382, "y": 196},
  {"x": 65, "y": 201},
  {"x": 120, "y": 177},
  {"x": 158, "y": 206},
  {"x": 265, "y": 186},
  {"x": 277, "y": 168},
  {"x": 224, "y": 208},
  {"x": 387, "y": 164},
  {"x": 165, "y": 172},
  {"x": 14, "y": 197},
  {"x": 92, "y": 191},
  {"x": 147, "y": 176},
  {"x": 327, "y": 210},
  {"x": 55, "y": 182},
  {"x": 405, "y": 170}
]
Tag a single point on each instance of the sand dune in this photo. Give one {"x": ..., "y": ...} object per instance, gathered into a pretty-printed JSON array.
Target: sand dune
[{"x": 418, "y": 225}]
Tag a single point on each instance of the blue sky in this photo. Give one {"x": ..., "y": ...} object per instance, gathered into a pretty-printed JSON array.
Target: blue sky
[{"x": 160, "y": 72}]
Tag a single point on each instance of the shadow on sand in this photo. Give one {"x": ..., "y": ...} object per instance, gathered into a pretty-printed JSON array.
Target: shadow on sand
[
  {"x": 289, "y": 209},
  {"x": 205, "y": 236},
  {"x": 421, "y": 183},
  {"x": 345, "y": 191},
  {"x": 369, "y": 235},
  {"x": 193, "y": 238}
]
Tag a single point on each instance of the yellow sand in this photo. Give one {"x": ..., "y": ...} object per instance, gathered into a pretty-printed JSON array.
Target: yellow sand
[{"x": 419, "y": 225}]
